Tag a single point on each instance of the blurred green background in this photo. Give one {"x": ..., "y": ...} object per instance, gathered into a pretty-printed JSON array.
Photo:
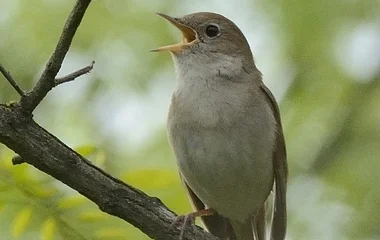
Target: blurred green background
[{"x": 321, "y": 59}]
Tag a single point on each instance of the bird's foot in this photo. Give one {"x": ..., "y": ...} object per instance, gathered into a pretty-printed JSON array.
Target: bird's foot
[
  {"x": 190, "y": 218},
  {"x": 186, "y": 219}
]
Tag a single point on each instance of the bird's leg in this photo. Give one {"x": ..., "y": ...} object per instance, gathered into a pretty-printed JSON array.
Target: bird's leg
[{"x": 191, "y": 217}]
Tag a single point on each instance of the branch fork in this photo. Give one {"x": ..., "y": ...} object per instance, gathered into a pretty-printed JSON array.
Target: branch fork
[{"x": 36, "y": 146}]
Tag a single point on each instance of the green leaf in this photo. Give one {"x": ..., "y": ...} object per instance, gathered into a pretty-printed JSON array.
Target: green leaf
[
  {"x": 48, "y": 228},
  {"x": 21, "y": 221},
  {"x": 85, "y": 150},
  {"x": 117, "y": 233},
  {"x": 4, "y": 186},
  {"x": 151, "y": 179},
  {"x": 44, "y": 191},
  {"x": 100, "y": 158},
  {"x": 92, "y": 216},
  {"x": 6, "y": 164},
  {"x": 71, "y": 202}
]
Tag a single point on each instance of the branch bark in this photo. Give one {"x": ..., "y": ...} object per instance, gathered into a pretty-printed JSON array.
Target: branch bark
[
  {"x": 39, "y": 148},
  {"x": 72, "y": 76},
  {"x": 44, "y": 151}
]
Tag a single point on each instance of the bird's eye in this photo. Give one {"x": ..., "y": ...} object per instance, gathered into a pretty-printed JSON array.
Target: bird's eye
[{"x": 212, "y": 31}]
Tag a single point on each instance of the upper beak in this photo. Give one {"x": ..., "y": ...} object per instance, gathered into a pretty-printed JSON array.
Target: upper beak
[{"x": 189, "y": 36}]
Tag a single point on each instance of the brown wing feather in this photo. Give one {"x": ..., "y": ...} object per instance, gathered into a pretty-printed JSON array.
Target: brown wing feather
[
  {"x": 260, "y": 223},
  {"x": 280, "y": 166},
  {"x": 221, "y": 227},
  {"x": 215, "y": 224}
]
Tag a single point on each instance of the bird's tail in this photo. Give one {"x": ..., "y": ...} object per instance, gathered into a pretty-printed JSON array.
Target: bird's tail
[{"x": 252, "y": 228}]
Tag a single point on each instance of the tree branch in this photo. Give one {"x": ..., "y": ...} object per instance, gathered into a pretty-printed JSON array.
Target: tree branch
[
  {"x": 44, "y": 151},
  {"x": 37, "y": 147},
  {"x": 72, "y": 76},
  {"x": 47, "y": 80},
  {"x": 10, "y": 79}
]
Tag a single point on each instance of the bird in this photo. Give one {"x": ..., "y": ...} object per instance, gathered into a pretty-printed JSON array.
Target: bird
[{"x": 224, "y": 128}]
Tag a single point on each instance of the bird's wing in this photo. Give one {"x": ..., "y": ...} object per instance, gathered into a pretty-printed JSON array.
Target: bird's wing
[
  {"x": 215, "y": 224},
  {"x": 280, "y": 166},
  {"x": 222, "y": 227}
]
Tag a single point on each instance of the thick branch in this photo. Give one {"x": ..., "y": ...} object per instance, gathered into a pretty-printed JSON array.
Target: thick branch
[
  {"x": 39, "y": 148},
  {"x": 47, "y": 80}
]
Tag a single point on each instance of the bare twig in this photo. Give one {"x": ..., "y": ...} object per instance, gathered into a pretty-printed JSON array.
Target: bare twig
[
  {"x": 10, "y": 79},
  {"x": 47, "y": 80},
  {"x": 72, "y": 76}
]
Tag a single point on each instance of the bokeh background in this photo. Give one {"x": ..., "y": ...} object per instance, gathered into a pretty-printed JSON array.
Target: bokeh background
[{"x": 321, "y": 59}]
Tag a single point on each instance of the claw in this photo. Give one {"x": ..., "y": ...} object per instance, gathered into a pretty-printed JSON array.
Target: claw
[
  {"x": 190, "y": 218},
  {"x": 187, "y": 219}
]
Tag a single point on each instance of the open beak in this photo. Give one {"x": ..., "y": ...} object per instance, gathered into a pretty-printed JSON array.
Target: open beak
[{"x": 189, "y": 36}]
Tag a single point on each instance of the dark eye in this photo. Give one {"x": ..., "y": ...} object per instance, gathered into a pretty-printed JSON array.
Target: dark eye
[{"x": 212, "y": 31}]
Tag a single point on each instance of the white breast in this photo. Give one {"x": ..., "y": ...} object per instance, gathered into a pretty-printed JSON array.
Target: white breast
[{"x": 199, "y": 85}]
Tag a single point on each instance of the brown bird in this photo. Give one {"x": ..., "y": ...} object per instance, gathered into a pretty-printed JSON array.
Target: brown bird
[{"x": 225, "y": 130}]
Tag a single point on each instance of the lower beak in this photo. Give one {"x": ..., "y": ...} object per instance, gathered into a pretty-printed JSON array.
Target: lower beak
[{"x": 189, "y": 36}]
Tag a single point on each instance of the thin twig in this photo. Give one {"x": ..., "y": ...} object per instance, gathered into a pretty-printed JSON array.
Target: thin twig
[
  {"x": 47, "y": 80},
  {"x": 10, "y": 79},
  {"x": 72, "y": 76}
]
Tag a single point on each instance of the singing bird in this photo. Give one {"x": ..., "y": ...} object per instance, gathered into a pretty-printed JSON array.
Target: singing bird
[{"x": 225, "y": 130}]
